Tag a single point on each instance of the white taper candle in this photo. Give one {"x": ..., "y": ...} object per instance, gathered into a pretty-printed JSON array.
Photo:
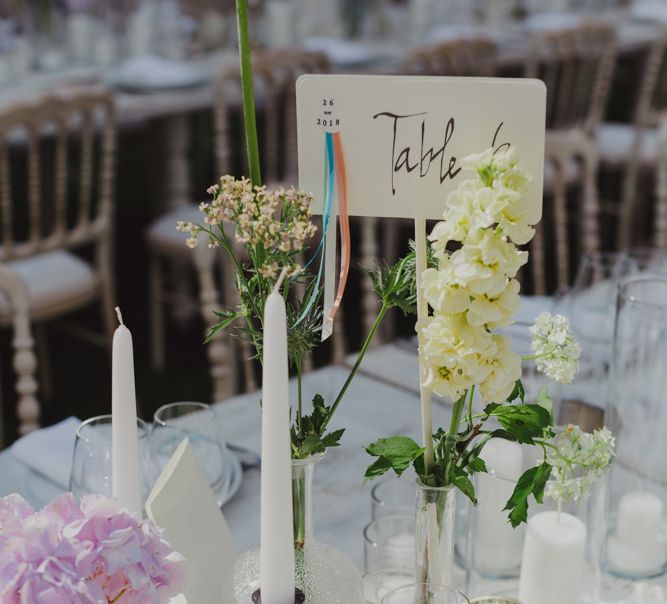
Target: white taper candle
[
  {"x": 124, "y": 438},
  {"x": 277, "y": 526}
]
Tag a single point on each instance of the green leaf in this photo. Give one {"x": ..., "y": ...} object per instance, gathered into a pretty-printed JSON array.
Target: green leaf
[
  {"x": 518, "y": 392},
  {"x": 332, "y": 438},
  {"x": 540, "y": 481},
  {"x": 531, "y": 482},
  {"x": 463, "y": 483},
  {"x": 312, "y": 444},
  {"x": 227, "y": 317},
  {"x": 395, "y": 447},
  {"x": 476, "y": 464},
  {"x": 524, "y": 422},
  {"x": 395, "y": 452},
  {"x": 379, "y": 467}
]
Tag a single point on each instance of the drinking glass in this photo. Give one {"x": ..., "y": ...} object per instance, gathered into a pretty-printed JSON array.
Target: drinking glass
[
  {"x": 199, "y": 423},
  {"x": 637, "y": 415},
  {"x": 643, "y": 260},
  {"x": 378, "y": 583},
  {"x": 590, "y": 305},
  {"x": 389, "y": 543},
  {"x": 392, "y": 496},
  {"x": 418, "y": 593},
  {"x": 91, "y": 463}
]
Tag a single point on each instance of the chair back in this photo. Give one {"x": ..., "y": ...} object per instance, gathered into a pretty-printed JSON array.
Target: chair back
[
  {"x": 56, "y": 172},
  {"x": 459, "y": 57},
  {"x": 569, "y": 225},
  {"x": 577, "y": 65}
]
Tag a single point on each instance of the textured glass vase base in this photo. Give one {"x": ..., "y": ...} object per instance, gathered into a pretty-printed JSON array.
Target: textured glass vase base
[
  {"x": 324, "y": 574},
  {"x": 494, "y": 600}
]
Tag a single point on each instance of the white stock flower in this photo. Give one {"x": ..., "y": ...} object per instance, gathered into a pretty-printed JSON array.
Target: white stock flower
[
  {"x": 483, "y": 265},
  {"x": 495, "y": 312},
  {"x": 442, "y": 292},
  {"x": 557, "y": 352},
  {"x": 454, "y": 354},
  {"x": 505, "y": 370}
]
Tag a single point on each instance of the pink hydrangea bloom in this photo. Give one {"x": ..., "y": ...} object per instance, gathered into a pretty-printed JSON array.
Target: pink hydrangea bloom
[{"x": 95, "y": 553}]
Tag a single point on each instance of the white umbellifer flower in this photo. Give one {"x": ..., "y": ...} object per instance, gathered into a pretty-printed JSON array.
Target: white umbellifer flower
[
  {"x": 556, "y": 351},
  {"x": 579, "y": 459}
]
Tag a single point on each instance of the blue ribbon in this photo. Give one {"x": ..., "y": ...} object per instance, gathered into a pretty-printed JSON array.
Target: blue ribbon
[{"x": 329, "y": 184}]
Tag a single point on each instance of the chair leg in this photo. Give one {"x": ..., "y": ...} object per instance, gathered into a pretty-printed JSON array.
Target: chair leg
[
  {"x": 156, "y": 312},
  {"x": 25, "y": 361}
]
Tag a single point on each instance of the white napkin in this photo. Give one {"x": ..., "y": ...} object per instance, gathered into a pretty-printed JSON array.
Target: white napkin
[{"x": 49, "y": 451}]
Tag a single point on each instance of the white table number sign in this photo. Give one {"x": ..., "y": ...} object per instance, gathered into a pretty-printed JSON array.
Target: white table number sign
[
  {"x": 403, "y": 137},
  {"x": 391, "y": 146}
]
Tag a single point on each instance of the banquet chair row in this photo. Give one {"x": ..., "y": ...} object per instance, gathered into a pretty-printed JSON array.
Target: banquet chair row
[
  {"x": 632, "y": 151},
  {"x": 57, "y": 158}
]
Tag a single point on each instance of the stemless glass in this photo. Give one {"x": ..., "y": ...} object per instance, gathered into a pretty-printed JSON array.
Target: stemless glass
[
  {"x": 199, "y": 423},
  {"x": 422, "y": 593},
  {"x": 91, "y": 462},
  {"x": 376, "y": 584},
  {"x": 392, "y": 496}
]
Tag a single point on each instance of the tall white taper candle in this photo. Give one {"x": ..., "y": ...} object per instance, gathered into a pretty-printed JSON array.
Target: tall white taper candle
[
  {"x": 277, "y": 527},
  {"x": 124, "y": 439}
]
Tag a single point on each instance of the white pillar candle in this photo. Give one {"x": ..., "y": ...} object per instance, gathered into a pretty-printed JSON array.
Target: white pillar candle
[
  {"x": 280, "y": 23},
  {"x": 638, "y": 547},
  {"x": 124, "y": 438},
  {"x": 496, "y": 545},
  {"x": 277, "y": 529},
  {"x": 553, "y": 559}
]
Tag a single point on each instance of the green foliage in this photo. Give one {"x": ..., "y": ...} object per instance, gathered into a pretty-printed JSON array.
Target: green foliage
[
  {"x": 457, "y": 454},
  {"x": 309, "y": 434},
  {"x": 532, "y": 482}
]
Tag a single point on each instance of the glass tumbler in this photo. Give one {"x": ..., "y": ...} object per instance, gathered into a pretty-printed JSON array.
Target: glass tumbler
[
  {"x": 392, "y": 496},
  {"x": 200, "y": 424},
  {"x": 389, "y": 543}
]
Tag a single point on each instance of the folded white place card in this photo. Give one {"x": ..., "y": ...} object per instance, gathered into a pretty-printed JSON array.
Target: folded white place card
[{"x": 183, "y": 505}]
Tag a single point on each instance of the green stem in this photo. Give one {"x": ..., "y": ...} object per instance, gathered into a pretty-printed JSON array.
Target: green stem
[
  {"x": 450, "y": 444},
  {"x": 248, "y": 92},
  {"x": 360, "y": 358}
]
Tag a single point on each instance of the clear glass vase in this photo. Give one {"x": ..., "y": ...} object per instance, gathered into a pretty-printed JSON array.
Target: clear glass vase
[
  {"x": 323, "y": 573},
  {"x": 636, "y": 413},
  {"x": 434, "y": 536}
]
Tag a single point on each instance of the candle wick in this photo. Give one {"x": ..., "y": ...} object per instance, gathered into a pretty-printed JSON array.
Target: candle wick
[
  {"x": 120, "y": 316},
  {"x": 276, "y": 287}
]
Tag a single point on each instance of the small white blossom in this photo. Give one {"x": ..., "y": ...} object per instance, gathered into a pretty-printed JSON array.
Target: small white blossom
[
  {"x": 556, "y": 351},
  {"x": 578, "y": 460}
]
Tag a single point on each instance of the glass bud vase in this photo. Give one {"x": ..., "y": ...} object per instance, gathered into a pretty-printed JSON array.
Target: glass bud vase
[
  {"x": 323, "y": 573},
  {"x": 434, "y": 537}
]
